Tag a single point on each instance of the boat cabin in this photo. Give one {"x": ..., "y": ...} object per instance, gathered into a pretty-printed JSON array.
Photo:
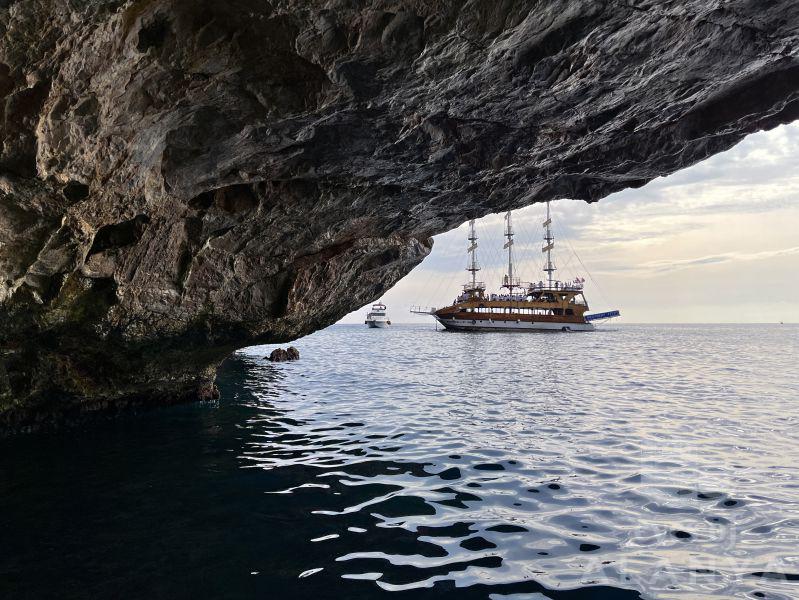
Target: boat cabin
[
  {"x": 563, "y": 300},
  {"x": 378, "y": 310}
]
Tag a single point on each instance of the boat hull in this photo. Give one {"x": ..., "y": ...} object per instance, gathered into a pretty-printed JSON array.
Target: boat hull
[
  {"x": 378, "y": 324},
  {"x": 491, "y": 325}
]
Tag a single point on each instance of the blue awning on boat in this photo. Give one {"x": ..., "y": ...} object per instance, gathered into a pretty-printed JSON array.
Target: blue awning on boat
[{"x": 605, "y": 315}]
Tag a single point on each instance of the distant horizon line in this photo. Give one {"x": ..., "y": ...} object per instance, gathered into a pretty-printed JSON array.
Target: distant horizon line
[{"x": 632, "y": 323}]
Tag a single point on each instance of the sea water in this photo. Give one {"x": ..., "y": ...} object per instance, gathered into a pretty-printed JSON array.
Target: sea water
[{"x": 635, "y": 461}]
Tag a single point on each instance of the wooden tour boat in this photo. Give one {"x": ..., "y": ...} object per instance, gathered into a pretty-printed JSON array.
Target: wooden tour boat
[{"x": 549, "y": 305}]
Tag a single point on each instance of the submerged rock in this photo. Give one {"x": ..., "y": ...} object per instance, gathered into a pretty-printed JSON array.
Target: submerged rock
[
  {"x": 208, "y": 392},
  {"x": 182, "y": 178},
  {"x": 280, "y": 355}
]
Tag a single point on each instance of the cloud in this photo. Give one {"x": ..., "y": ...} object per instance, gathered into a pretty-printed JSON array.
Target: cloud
[{"x": 663, "y": 266}]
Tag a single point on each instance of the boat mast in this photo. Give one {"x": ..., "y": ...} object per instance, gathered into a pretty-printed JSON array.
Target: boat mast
[
  {"x": 548, "y": 246},
  {"x": 473, "y": 268},
  {"x": 509, "y": 247}
]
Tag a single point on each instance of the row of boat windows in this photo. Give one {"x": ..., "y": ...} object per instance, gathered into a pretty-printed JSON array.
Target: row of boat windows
[{"x": 520, "y": 311}]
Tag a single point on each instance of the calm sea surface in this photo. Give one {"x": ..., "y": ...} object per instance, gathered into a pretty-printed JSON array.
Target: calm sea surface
[{"x": 639, "y": 461}]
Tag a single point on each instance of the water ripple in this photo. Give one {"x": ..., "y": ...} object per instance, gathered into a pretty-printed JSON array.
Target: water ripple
[
  {"x": 498, "y": 459},
  {"x": 656, "y": 462}
]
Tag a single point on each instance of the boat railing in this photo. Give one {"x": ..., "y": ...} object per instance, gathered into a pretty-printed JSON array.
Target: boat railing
[
  {"x": 507, "y": 298},
  {"x": 557, "y": 286},
  {"x": 422, "y": 310}
]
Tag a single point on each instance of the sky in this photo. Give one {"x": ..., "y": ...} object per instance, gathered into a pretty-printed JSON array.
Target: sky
[{"x": 714, "y": 243}]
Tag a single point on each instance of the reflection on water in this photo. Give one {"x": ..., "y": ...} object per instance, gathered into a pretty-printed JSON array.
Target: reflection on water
[{"x": 656, "y": 462}]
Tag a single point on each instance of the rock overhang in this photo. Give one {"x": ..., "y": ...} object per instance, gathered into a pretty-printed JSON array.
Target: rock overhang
[{"x": 183, "y": 178}]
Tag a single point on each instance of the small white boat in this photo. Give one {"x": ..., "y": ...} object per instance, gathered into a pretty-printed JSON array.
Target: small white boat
[{"x": 377, "y": 317}]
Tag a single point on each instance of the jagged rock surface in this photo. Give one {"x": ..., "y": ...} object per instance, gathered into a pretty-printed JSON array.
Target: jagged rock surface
[{"x": 181, "y": 178}]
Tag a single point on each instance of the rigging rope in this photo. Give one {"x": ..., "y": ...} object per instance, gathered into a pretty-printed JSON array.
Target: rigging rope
[{"x": 582, "y": 264}]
